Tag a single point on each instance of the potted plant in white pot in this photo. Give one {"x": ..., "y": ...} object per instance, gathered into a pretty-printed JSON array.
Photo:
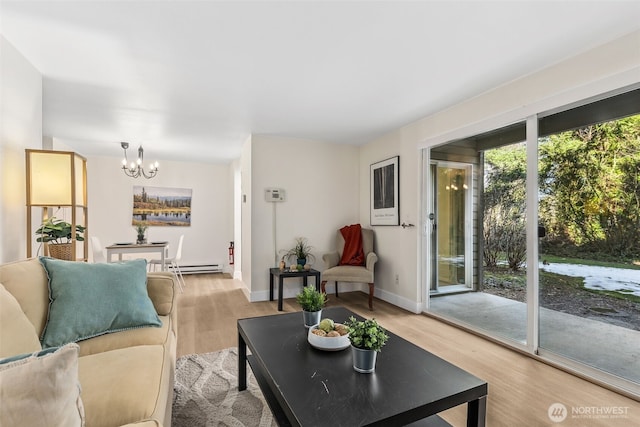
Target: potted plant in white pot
[
  {"x": 311, "y": 301},
  {"x": 367, "y": 339},
  {"x": 57, "y": 234}
]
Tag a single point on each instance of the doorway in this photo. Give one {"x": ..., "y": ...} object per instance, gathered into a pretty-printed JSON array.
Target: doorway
[{"x": 451, "y": 219}]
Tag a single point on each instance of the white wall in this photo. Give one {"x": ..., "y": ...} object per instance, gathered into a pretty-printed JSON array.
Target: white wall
[
  {"x": 321, "y": 184},
  {"x": 245, "y": 215},
  {"x": 206, "y": 241},
  {"x": 395, "y": 246},
  {"x": 236, "y": 204},
  {"x": 589, "y": 74},
  {"x": 20, "y": 128}
]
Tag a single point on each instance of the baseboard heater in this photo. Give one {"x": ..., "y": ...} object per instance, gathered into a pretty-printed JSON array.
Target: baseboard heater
[{"x": 200, "y": 268}]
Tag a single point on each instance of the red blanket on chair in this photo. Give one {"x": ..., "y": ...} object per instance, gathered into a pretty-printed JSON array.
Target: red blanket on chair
[{"x": 353, "y": 253}]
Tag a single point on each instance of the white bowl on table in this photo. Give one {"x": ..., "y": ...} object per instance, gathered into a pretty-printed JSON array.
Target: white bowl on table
[{"x": 327, "y": 343}]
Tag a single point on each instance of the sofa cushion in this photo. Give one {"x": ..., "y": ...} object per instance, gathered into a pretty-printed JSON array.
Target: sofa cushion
[
  {"x": 27, "y": 281},
  {"x": 41, "y": 389},
  {"x": 128, "y": 338},
  {"x": 17, "y": 334},
  {"x": 348, "y": 273},
  {"x": 88, "y": 300},
  {"x": 123, "y": 386}
]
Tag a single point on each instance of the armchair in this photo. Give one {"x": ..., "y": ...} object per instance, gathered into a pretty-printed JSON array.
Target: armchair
[{"x": 351, "y": 273}]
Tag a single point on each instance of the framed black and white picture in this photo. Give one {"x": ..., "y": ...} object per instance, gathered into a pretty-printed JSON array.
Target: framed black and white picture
[{"x": 385, "y": 192}]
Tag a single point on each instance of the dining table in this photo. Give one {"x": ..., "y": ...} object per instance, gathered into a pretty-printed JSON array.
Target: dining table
[{"x": 135, "y": 248}]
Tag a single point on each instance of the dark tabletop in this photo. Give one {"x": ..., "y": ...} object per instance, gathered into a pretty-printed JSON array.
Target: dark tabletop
[
  {"x": 322, "y": 389},
  {"x": 288, "y": 273}
]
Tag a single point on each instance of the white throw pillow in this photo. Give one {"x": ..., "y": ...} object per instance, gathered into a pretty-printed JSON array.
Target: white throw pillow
[{"x": 41, "y": 389}]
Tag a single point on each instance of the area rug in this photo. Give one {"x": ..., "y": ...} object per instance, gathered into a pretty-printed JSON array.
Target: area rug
[{"x": 206, "y": 393}]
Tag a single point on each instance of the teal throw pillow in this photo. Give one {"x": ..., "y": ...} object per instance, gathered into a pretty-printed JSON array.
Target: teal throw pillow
[{"x": 87, "y": 300}]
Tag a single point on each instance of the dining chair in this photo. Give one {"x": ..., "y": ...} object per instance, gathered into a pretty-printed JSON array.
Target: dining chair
[
  {"x": 172, "y": 262},
  {"x": 97, "y": 250}
]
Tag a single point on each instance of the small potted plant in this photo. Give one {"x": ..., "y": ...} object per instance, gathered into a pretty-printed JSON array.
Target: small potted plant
[
  {"x": 57, "y": 234},
  {"x": 367, "y": 339},
  {"x": 301, "y": 252},
  {"x": 311, "y": 301},
  {"x": 141, "y": 229}
]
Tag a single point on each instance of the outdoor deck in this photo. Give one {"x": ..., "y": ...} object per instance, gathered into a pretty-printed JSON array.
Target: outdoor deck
[{"x": 610, "y": 348}]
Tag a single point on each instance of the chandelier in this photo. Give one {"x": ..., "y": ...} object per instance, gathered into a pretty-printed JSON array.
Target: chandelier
[{"x": 136, "y": 169}]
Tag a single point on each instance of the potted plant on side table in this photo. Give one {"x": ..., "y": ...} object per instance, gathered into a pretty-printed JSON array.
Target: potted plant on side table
[
  {"x": 311, "y": 301},
  {"x": 57, "y": 234},
  {"x": 301, "y": 253},
  {"x": 367, "y": 339}
]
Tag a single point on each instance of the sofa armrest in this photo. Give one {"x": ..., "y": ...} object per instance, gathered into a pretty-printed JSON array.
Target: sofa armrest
[
  {"x": 331, "y": 259},
  {"x": 372, "y": 258},
  {"x": 161, "y": 288}
]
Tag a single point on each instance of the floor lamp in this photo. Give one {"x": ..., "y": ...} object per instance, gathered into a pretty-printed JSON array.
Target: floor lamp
[{"x": 57, "y": 179}]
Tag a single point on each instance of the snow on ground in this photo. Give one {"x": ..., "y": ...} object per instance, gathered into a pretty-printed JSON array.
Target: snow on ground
[{"x": 600, "y": 278}]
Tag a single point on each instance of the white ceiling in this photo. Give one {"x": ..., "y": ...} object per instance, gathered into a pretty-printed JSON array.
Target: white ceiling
[{"x": 191, "y": 80}]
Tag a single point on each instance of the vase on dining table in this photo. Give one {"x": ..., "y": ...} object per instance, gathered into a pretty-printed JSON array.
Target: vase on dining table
[{"x": 141, "y": 230}]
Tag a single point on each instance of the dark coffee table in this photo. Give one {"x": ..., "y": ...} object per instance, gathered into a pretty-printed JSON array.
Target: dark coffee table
[{"x": 308, "y": 387}]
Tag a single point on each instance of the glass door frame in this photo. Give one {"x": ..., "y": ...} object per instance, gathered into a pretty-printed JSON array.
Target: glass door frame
[
  {"x": 531, "y": 226},
  {"x": 432, "y": 219}
]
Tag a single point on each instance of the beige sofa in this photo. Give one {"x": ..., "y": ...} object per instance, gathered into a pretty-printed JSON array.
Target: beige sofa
[{"x": 126, "y": 377}]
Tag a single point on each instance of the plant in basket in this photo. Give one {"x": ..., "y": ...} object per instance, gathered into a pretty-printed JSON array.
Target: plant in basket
[
  {"x": 56, "y": 231},
  {"x": 58, "y": 235}
]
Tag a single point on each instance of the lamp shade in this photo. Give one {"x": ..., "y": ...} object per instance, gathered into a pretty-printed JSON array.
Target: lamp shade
[{"x": 55, "y": 178}]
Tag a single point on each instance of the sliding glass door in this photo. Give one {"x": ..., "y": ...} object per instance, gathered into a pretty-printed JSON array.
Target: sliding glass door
[
  {"x": 477, "y": 239},
  {"x": 589, "y": 286},
  {"x": 532, "y": 234},
  {"x": 451, "y": 234}
]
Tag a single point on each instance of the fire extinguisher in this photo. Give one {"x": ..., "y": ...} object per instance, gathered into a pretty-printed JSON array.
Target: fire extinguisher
[{"x": 230, "y": 253}]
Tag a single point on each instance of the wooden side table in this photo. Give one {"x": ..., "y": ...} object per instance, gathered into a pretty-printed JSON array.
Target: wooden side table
[{"x": 281, "y": 275}]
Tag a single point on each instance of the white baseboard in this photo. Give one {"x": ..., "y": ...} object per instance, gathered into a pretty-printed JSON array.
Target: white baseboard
[
  {"x": 257, "y": 296},
  {"x": 397, "y": 300},
  {"x": 292, "y": 291}
]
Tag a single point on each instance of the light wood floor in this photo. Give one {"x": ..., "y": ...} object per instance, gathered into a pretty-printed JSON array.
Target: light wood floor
[{"x": 521, "y": 389}]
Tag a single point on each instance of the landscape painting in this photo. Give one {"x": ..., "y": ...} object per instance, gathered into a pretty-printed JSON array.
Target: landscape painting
[{"x": 159, "y": 206}]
